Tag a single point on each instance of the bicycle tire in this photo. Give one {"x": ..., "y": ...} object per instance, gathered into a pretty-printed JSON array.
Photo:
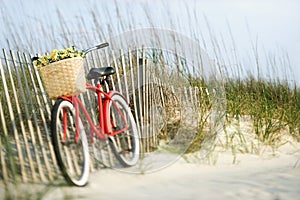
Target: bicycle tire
[
  {"x": 126, "y": 145},
  {"x": 72, "y": 158}
]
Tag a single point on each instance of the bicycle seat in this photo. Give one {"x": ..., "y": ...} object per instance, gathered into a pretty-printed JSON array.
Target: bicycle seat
[{"x": 96, "y": 73}]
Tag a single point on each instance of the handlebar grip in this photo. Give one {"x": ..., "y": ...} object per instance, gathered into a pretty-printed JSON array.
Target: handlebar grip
[
  {"x": 102, "y": 45},
  {"x": 99, "y": 46}
]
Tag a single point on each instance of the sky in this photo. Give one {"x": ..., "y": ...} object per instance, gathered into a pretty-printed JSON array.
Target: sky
[
  {"x": 269, "y": 28},
  {"x": 272, "y": 24}
]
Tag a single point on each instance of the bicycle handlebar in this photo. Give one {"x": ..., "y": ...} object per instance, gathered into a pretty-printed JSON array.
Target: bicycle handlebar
[{"x": 99, "y": 46}]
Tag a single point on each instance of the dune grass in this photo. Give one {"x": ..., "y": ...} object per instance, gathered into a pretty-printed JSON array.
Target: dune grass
[{"x": 272, "y": 105}]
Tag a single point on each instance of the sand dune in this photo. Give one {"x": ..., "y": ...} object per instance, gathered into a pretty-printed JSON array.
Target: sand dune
[{"x": 239, "y": 168}]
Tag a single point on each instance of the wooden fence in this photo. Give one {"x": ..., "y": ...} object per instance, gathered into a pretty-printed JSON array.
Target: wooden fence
[{"x": 156, "y": 88}]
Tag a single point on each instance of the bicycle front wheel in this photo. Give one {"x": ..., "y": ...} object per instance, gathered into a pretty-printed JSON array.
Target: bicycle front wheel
[
  {"x": 72, "y": 154},
  {"x": 125, "y": 144}
]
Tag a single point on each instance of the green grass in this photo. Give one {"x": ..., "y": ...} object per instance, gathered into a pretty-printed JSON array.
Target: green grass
[{"x": 272, "y": 105}]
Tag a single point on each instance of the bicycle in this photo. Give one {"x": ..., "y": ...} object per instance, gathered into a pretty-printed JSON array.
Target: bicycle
[{"x": 115, "y": 123}]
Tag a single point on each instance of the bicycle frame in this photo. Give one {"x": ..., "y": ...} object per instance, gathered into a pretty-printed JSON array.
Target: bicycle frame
[{"x": 105, "y": 127}]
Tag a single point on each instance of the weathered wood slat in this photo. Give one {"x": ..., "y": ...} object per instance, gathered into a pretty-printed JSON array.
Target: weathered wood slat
[
  {"x": 46, "y": 103},
  {"x": 123, "y": 66},
  {"x": 108, "y": 63},
  {"x": 151, "y": 113},
  {"x": 144, "y": 101},
  {"x": 3, "y": 148},
  {"x": 139, "y": 95},
  {"x": 12, "y": 117},
  {"x": 117, "y": 71},
  {"x": 124, "y": 81},
  {"x": 133, "y": 90},
  {"x": 156, "y": 102},
  {"x": 4, "y": 174},
  {"x": 147, "y": 104}
]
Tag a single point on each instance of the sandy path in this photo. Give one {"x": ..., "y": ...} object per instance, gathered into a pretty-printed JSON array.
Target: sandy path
[{"x": 271, "y": 176}]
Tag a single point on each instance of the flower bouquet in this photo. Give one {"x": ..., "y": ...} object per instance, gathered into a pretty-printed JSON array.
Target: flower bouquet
[
  {"x": 57, "y": 55},
  {"x": 62, "y": 72}
]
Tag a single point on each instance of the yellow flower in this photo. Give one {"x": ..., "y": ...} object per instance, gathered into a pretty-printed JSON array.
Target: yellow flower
[
  {"x": 57, "y": 55},
  {"x": 70, "y": 49},
  {"x": 71, "y": 55},
  {"x": 63, "y": 54},
  {"x": 54, "y": 55},
  {"x": 44, "y": 60}
]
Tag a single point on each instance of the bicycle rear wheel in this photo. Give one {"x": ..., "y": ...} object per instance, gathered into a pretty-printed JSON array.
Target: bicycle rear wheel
[
  {"x": 72, "y": 156},
  {"x": 126, "y": 144}
]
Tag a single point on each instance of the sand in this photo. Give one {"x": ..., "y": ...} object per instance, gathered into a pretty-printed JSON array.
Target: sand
[
  {"x": 274, "y": 174},
  {"x": 238, "y": 166}
]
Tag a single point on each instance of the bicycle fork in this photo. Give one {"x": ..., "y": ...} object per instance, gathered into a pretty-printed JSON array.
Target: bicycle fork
[{"x": 76, "y": 123}]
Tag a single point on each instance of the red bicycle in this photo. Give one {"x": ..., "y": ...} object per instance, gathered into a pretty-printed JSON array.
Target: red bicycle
[{"x": 69, "y": 119}]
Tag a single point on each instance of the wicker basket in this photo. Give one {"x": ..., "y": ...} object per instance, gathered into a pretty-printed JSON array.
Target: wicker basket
[{"x": 65, "y": 77}]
